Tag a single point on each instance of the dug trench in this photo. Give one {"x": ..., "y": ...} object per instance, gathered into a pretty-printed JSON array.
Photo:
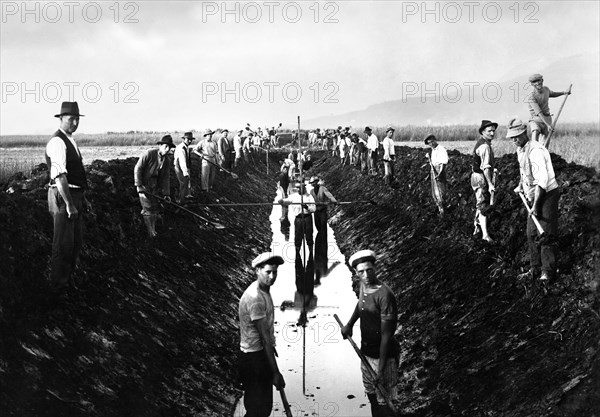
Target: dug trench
[{"x": 152, "y": 328}]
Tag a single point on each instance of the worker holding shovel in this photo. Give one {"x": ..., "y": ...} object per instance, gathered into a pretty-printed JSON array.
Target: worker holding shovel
[
  {"x": 541, "y": 119},
  {"x": 438, "y": 161},
  {"x": 481, "y": 177},
  {"x": 541, "y": 191},
  {"x": 377, "y": 311}
]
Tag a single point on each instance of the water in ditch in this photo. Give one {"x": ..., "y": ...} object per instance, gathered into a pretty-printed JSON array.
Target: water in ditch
[{"x": 321, "y": 370}]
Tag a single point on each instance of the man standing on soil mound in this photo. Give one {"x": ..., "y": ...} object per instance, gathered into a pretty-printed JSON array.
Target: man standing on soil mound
[
  {"x": 183, "y": 166},
  {"x": 257, "y": 365},
  {"x": 481, "y": 177},
  {"x": 377, "y": 311},
  {"x": 541, "y": 119},
  {"x": 152, "y": 174},
  {"x": 438, "y": 161},
  {"x": 538, "y": 184},
  {"x": 65, "y": 195}
]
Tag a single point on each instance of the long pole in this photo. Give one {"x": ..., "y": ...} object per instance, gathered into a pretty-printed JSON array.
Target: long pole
[
  {"x": 547, "y": 143},
  {"x": 370, "y": 370},
  {"x": 533, "y": 216},
  {"x": 281, "y": 204},
  {"x": 214, "y": 224}
]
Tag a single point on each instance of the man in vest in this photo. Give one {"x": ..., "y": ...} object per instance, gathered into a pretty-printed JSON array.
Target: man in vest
[
  {"x": 541, "y": 119},
  {"x": 481, "y": 177},
  {"x": 207, "y": 150},
  {"x": 538, "y": 184},
  {"x": 223, "y": 148},
  {"x": 65, "y": 196},
  {"x": 152, "y": 175},
  {"x": 183, "y": 166}
]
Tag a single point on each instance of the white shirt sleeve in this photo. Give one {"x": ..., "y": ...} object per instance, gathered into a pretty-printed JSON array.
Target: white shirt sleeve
[
  {"x": 57, "y": 152},
  {"x": 538, "y": 168}
]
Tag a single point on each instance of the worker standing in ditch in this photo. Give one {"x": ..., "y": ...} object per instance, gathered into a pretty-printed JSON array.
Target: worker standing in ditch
[
  {"x": 378, "y": 312},
  {"x": 541, "y": 119},
  {"x": 183, "y": 166},
  {"x": 208, "y": 152},
  {"x": 301, "y": 209},
  {"x": 538, "y": 184},
  {"x": 65, "y": 196},
  {"x": 258, "y": 368},
  {"x": 152, "y": 175},
  {"x": 481, "y": 177},
  {"x": 322, "y": 197},
  {"x": 438, "y": 161}
]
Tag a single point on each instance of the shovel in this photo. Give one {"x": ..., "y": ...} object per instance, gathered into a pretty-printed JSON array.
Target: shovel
[
  {"x": 533, "y": 217},
  {"x": 547, "y": 142},
  {"x": 214, "y": 224},
  {"x": 234, "y": 176}
]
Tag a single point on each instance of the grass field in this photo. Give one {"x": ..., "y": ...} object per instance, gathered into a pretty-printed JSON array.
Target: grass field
[{"x": 577, "y": 143}]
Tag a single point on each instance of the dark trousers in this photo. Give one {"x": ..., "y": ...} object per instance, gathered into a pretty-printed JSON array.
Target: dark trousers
[
  {"x": 321, "y": 219},
  {"x": 67, "y": 239},
  {"x": 544, "y": 253},
  {"x": 257, "y": 381},
  {"x": 303, "y": 228}
]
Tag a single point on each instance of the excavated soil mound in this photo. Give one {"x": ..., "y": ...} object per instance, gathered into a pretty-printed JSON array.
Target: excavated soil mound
[
  {"x": 475, "y": 340},
  {"x": 152, "y": 329}
]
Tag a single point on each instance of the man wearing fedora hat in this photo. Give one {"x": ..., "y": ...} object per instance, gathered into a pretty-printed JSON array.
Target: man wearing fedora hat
[
  {"x": 481, "y": 176},
  {"x": 152, "y": 175},
  {"x": 378, "y": 312},
  {"x": 183, "y": 166},
  {"x": 537, "y": 101},
  {"x": 538, "y": 184},
  {"x": 438, "y": 160},
  {"x": 65, "y": 195},
  {"x": 257, "y": 364},
  {"x": 389, "y": 155},
  {"x": 207, "y": 150}
]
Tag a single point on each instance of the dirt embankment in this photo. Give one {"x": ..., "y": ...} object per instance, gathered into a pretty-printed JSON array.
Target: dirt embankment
[
  {"x": 152, "y": 330},
  {"x": 475, "y": 340}
]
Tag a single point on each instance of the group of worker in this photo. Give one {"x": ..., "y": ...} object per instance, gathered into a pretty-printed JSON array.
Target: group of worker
[{"x": 376, "y": 307}]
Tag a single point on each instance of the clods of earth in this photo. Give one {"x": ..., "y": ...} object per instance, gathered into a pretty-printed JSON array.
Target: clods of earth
[{"x": 152, "y": 328}]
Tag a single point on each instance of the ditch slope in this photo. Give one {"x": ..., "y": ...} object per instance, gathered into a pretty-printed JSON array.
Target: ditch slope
[{"x": 152, "y": 330}]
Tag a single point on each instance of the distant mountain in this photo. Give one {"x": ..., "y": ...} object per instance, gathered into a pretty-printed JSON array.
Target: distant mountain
[{"x": 495, "y": 100}]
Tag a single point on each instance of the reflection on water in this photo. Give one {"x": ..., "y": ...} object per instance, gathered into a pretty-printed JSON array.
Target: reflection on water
[{"x": 321, "y": 370}]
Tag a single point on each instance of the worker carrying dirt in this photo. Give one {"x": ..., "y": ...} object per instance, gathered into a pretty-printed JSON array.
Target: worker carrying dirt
[
  {"x": 183, "y": 166},
  {"x": 541, "y": 119},
  {"x": 152, "y": 175},
  {"x": 437, "y": 161},
  {"x": 540, "y": 188},
  {"x": 258, "y": 368},
  {"x": 66, "y": 198},
  {"x": 482, "y": 176},
  {"x": 377, "y": 311}
]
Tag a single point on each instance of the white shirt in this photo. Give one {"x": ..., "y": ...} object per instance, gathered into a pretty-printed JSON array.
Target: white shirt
[
  {"x": 296, "y": 209},
  {"x": 181, "y": 157},
  {"x": 439, "y": 155},
  {"x": 372, "y": 142},
  {"x": 536, "y": 169},
  {"x": 57, "y": 152},
  {"x": 237, "y": 143},
  {"x": 388, "y": 149}
]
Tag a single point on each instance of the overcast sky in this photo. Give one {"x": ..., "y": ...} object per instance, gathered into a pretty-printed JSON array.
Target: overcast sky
[{"x": 189, "y": 65}]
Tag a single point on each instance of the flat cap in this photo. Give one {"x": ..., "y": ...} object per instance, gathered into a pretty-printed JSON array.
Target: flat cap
[
  {"x": 535, "y": 77},
  {"x": 267, "y": 258},
  {"x": 362, "y": 256}
]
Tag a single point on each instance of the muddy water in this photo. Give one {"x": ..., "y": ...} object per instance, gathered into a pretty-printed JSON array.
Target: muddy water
[{"x": 321, "y": 370}]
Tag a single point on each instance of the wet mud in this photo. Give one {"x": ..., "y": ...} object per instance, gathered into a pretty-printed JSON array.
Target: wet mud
[{"x": 152, "y": 329}]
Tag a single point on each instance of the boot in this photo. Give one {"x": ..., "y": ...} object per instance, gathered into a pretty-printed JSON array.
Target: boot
[{"x": 483, "y": 224}]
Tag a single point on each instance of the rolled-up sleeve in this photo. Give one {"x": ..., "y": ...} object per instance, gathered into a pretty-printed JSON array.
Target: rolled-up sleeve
[
  {"x": 484, "y": 153},
  {"x": 57, "y": 152}
]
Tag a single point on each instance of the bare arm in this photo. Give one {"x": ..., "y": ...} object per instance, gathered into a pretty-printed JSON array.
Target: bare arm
[
  {"x": 347, "y": 329},
  {"x": 387, "y": 334},
  {"x": 263, "y": 329}
]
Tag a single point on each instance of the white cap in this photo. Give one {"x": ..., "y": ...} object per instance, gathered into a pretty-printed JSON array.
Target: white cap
[{"x": 362, "y": 256}]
